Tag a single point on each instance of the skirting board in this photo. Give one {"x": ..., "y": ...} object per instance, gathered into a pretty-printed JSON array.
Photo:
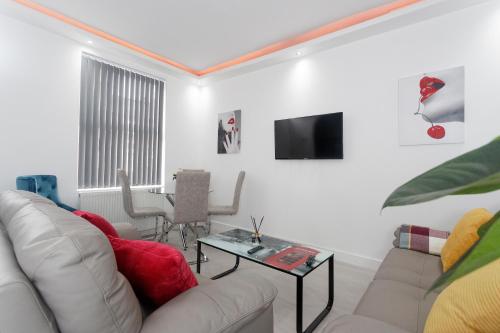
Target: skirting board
[{"x": 341, "y": 256}]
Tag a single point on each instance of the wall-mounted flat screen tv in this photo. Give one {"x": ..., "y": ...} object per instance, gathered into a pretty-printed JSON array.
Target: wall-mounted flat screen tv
[{"x": 312, "y": 137}]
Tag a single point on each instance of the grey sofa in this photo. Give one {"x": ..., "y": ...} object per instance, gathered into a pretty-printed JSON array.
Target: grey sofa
[
  {"x": 58, "y": 274},
  {"x": 395, "y": 301}
]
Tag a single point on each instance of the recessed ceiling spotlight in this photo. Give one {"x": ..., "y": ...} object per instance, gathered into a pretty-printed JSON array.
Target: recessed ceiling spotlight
[
  {"x": 90, "y": 42},
  {"x": 298, "y": 53}
]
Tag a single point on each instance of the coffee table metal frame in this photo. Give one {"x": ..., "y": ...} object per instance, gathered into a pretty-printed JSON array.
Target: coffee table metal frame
[{"x": 299, "y": 284}]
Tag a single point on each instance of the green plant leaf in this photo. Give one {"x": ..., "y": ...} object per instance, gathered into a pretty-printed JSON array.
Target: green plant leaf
[
  {"x": 485, "y": 251},
  {"x": 475, "y": 172}
]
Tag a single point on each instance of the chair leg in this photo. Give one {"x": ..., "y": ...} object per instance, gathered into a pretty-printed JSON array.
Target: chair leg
[
  {"x": 209, "y": 225},
  {"x": 151, "y": 235},
  {"x": 167, "y": 227},
  {"x": 194, "y": 229},
  {"x": 164, "y": 230},
  {"x": 156, "y": 229},
  {"x": 183, "y": 236}
]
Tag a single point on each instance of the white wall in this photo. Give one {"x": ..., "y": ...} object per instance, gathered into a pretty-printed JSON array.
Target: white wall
[
  {"x": 40, "y": 105},
  {"x": 336, "y": 204}
]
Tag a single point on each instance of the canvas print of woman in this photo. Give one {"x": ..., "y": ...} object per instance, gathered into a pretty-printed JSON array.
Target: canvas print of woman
[
  {"x": 229, "y": 132},
  {"x": 431, "y": 108}
]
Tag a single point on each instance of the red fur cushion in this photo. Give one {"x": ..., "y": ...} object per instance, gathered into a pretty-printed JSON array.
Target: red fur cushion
[
  {"x": 157, "y": 272},
  {"x": 98, "y": 221}
]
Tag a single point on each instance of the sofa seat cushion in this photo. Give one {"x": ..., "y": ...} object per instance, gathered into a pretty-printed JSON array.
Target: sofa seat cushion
[
  {"x": 127, "y": 231},
  {"x": 72, "y": 265},
  {"x": 396, "y": 303},
  {"x": 411, "y": 267},
  {"x": 359, "y": 324},
  {"x": 225, "y": 305}
]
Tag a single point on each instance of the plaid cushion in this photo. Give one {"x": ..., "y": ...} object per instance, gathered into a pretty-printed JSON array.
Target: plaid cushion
[{"x": 422, "y": 239}]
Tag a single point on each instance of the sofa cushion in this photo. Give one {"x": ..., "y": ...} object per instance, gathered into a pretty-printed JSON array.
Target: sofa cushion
[
  {"x": 422, "y": 239},
  {"x": 464, "y": 236},
  {"x": 411, "y": 267},
  {"x": 226, "y": 305},
  {"x": 392, "y": 302},
  {"x": 469, "y": 304},
  {"x": 359, "y": 324},
  {"x": 73, "y": 267},
  {"x": 21, "y": 307},
  {"x": 396, "y": 303},
  {"x": 8, "y": 208},
  {"x": 157, "y": 272}
]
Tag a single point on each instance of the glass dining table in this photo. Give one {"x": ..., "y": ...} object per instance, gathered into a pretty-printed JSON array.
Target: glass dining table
[{"x": 168, "y": 190}]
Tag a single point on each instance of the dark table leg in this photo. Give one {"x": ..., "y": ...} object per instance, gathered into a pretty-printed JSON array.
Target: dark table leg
[
  {"x": 218, "y": 276},
  {"x": 324, "y": 313},
  {"x": 300, "y": 305},
  {"x": 198, "y": 257}
]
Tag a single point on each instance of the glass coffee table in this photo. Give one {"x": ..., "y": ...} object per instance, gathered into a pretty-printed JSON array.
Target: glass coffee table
[{"x": 287, "y": 257}]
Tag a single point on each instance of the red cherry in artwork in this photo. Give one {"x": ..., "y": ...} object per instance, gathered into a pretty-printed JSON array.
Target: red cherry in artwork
[{"x": 436, "y": 132}]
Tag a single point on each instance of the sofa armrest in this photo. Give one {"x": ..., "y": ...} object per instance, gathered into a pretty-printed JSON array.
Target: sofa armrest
[
  {"x": 359, "y": 324},
  {"x": 222, "y": 306},
  {"x": 127, "y": 231}
]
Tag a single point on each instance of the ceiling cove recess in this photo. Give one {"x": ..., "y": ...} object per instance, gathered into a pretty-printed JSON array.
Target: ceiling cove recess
[{"x": 272, "y": 48}]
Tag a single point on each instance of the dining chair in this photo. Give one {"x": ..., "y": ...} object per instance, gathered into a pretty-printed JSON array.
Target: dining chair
[
  {"x": 139, "y": 212},
  {"x": 44, "y": 185},
  {"x": 191, "y": 202},
  {"x": 228, "y": 209},
  {"x": 186, "y": 170}
]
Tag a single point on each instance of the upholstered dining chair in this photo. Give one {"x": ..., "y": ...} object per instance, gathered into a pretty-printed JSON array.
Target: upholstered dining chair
[
  {"x": 44, "y": 185},
  {"x": 229, "y": 209},
  {"x": 140, "y": 212},
  {"x": 191, "y": 202}
]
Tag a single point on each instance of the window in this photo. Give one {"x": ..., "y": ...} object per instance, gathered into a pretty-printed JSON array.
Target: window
[{"x": 121, "y": 126}]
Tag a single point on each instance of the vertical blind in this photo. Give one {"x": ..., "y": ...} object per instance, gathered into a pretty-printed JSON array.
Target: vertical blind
[{"x": 121, "y": 125}]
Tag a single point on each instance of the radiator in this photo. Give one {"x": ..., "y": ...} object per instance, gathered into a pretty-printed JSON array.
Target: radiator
[{"x": 109, "y": 204}]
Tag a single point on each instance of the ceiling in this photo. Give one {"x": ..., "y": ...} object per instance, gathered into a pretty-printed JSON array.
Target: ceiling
[
  {"x": 200, "y": 34},
  {"x": 216, "y": 39}
]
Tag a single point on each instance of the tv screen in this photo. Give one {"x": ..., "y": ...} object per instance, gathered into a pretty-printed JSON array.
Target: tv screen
[{"x": 313, "y": 137}]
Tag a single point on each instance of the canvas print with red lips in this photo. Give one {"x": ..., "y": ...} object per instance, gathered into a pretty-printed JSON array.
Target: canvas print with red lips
[
  {"x": 431, "y": 108},
  {"x": 229, "y": 132}
]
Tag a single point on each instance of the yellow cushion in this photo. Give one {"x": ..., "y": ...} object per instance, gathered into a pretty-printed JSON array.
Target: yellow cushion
[
  {"x": 463, "y": 236},
  {"x": 469, "y": 305}
]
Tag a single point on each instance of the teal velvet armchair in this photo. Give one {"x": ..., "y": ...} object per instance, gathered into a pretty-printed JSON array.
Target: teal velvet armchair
[{"x": 44, "y": 185}]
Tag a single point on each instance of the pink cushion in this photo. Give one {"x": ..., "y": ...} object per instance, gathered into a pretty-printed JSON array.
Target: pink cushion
[
  {"x": 98, "y": 221},
  {"x": 157, "y": 272}
]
